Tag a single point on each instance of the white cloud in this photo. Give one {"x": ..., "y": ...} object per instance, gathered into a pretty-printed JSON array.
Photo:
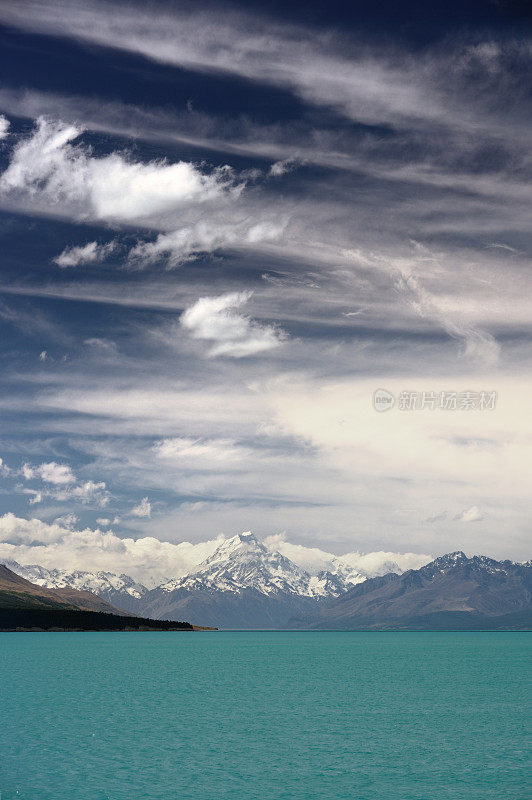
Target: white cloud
[
  {"x": 233, "y": 334},
  {"x": 55, "y": 473},
  {"x": 103, "y": 522},
  {"x": 43, "y": 356},
  {"x": 106, "y": 346},
  {"x": 34, "y": 495},
  {"x": 148, "y": 559},
  {"x": 197, "y": 450},
  {"x": 279, "y": 168},
  {"x": 188, "y": 242},
  {"x": 61, "y": 477},
  {"x": 4, "y": 469},
  {"x": 49, "y": 472},
  {"x": 51, "y": 173},
  {"x": 143, "y": 509},
  {"x": 4, "y": 127},
  {"x": 53, "y": 546},
  {"x": 49, "y": 169},
  {"x": 88, "y": 492},
  {"x": 374, "y": 562},
  {"x": 86, "y": 254},
  {"x": 472, "y": 514},
  {"x": 66, "y": 520},
  {"x": 322, "y": 462},
  {"x": 367, "y": 84},
  {"x": 314, "y": 560},
  {"x": 27, "y": 472}
]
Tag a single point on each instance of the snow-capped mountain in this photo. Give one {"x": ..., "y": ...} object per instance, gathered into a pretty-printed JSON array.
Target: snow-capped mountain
[
  {"x": 451, "y": 592},
  {"x": 244, "y": 584},
  {"x": 243, "y": 562},
  {"x": 120, "y": 590},
  {"x": 351, "y": 575},
  {"x": 247, "y": 584},
  {"x": 479, "y": 564}
]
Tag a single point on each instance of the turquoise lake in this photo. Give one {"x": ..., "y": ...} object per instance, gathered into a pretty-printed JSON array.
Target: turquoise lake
[{"x": 264, "y": 715}]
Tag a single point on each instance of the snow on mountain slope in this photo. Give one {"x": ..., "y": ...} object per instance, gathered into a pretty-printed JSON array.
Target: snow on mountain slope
[
  {"x": 479, "y": 564},
  {"x": 244, "y": 584},
  {"x": 90, "y": 581},
  {"x": 243, "y": 562},
  {"x": 453, "y": 590},
  {"x": 121, "y": 590}
]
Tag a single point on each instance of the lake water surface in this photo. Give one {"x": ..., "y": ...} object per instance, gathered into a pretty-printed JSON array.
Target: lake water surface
[{"x": 249, "y": 715}]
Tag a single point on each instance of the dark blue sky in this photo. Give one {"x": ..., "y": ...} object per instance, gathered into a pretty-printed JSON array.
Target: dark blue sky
[{"x": 222, "y": 229}]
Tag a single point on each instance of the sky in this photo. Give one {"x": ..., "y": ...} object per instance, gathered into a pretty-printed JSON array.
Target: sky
[{"x": 223, "y": 228}]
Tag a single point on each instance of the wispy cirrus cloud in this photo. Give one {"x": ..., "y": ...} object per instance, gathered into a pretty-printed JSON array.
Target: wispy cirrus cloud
[
  {"x": 187, "y": 242},
  {"x": 199, "y": 451},
  {"x": 477, "y": 344},
  {"x": 325, "y": 68},
  {"x": 102, "y": 346}
]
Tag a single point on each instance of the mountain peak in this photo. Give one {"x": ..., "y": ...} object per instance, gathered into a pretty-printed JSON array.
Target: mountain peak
[
  {"x": 247, "y": 537},
  {"x": 450, "y": 559},
  {"x": 443, "y": 564},
  {"x": 242, "y": 545},
  {"x": 244, "y": 562}
]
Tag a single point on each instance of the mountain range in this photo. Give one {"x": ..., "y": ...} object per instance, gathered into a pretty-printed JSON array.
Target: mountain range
[
  {"x": 18, "y": 592},
  {"x": 246, "y": 585},
  {"x": 24, "y": 606},
  {"x": 119, "y": 590},
  {"x": 243, "y": 584},
  {"x": 453, "y": 591}
]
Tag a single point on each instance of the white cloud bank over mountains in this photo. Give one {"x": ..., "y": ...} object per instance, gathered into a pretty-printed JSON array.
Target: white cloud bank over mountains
[
  {"x": 148, "y": 559},
  {"x": 313, "y": 559}
]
